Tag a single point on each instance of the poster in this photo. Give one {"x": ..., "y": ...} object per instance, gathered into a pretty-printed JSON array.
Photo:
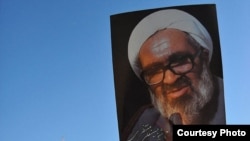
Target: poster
[{"x": 167, "y": 70}]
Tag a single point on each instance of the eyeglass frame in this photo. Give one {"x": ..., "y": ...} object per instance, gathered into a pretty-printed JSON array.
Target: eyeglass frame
[{"x": 168, "y": 67}]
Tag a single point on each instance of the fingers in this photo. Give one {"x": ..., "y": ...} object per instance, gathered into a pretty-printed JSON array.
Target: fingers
[{"x": 176, "y": 119}]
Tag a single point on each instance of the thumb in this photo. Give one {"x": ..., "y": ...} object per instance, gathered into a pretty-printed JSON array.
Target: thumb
[{"x": 176, "y": 119}]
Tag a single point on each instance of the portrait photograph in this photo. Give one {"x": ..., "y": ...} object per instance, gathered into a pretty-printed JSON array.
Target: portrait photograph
[{"x": 167, "y": 68}]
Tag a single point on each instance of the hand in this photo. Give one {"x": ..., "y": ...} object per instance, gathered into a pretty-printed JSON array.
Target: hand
[{"x": 174, "y": 119}]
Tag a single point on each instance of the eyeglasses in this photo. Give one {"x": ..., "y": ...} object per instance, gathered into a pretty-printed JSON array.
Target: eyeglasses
[{"x": 180, "y": 66}]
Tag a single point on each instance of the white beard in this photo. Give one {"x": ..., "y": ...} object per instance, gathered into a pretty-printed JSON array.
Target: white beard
[{"x": 187, "y": 106}]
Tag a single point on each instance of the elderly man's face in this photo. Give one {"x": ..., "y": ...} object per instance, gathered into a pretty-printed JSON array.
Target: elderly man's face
[{"x": 186, "y": 84}]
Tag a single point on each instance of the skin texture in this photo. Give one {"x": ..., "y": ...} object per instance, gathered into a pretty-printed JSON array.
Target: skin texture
[{"x": 183, "y": 94}]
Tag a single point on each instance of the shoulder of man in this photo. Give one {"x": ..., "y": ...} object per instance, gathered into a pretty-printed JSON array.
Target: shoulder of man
[
  {"x": 146, "y": 115},
  {"x": 220, "y": 116},
  {"x": 145, "y": 126}
]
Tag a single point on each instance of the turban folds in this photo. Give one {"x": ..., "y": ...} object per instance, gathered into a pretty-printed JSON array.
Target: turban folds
[{"x": 170, "y": 18}]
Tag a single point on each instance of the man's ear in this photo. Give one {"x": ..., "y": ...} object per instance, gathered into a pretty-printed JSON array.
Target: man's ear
[{"x": 205, "y": 56}]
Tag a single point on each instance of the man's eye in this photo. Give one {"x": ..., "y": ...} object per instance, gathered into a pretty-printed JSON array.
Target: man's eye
[
  {"x": 153, "y": 72},
  {"x": 153, "y": 76},
  {"x": 182, "y": 66},
  {"x": 181, "y": 61}
]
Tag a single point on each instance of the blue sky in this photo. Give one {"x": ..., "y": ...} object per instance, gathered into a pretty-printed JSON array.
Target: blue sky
[{"x": 56, "y": 75}]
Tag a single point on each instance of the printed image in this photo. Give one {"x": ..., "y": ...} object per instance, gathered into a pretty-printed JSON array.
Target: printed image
[{"x": 167, "y": 70}]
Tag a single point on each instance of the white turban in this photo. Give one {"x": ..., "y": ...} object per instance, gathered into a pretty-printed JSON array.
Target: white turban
[{"x": 170, "y": 18}]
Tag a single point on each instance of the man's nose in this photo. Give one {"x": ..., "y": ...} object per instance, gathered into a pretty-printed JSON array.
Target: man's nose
[{"x": 170, "y": 77}]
